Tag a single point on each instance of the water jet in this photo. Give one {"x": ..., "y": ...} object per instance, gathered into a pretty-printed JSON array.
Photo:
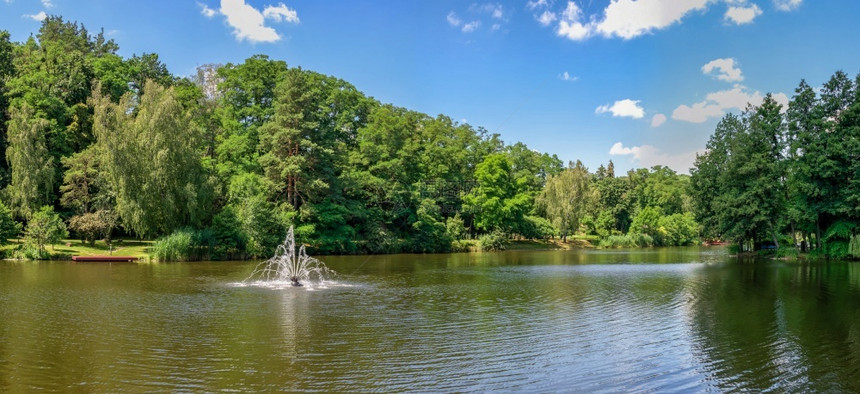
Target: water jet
[{"x": 290, "y": 265}]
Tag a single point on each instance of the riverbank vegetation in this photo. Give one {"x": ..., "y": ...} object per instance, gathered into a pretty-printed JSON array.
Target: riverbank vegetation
[
  {"x": 786, "y": 177},
  {"x": 219, "y": 164}
]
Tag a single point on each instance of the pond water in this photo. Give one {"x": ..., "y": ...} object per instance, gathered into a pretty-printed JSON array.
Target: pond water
[{"x": 675, "y": 319}]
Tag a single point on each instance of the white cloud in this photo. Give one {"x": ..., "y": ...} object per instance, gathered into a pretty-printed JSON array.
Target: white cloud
[
  {"x": 571, "y": 25},
  {"x": 623, "y": 108},
  {"x": 716, "y": 103},
  {"x": 281, "y": 13},
  {"x": 487, "y": 14},
  {"x": 206, "y": 11},
  {"x": 649, "y": 156},
  {"x": 36, "y": 17},
  {"x": 657, "y": 120},
  {"x": 471, "y": 26},
  {"x": 727, "y": 70},
  {"x": 565, "y": 76},
  {"x": 532, "y": 4},
  {"x": 47, "y": 4},
  {"x": 742, "y": 15},
  {"x": 547, "y": 18},
  {"x": 629, "y": 18},
  {"x": 787, "y": 5},
  {"x": 249, "y": 24},
  {"x": 453, "y": 20}
]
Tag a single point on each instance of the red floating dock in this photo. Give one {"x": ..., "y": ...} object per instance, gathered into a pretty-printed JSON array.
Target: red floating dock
[{"x": 104, "y": 258}]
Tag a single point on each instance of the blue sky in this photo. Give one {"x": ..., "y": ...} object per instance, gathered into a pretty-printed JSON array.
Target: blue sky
[{"x": 641, "y": 82}]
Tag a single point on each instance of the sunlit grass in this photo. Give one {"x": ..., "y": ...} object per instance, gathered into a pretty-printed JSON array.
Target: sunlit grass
[{"x": 74, "y": 247}]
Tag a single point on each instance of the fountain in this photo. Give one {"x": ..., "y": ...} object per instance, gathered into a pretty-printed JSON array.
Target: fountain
[{"x": 287, "y": 266}]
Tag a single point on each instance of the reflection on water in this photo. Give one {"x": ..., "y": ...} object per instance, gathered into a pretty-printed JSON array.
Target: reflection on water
[{"x": 661, "y": 319}]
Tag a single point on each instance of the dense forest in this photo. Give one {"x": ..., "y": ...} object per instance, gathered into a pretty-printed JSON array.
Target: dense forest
[
  {"x": 785, "y": 177},
  {"x": 94, "y": 146}
]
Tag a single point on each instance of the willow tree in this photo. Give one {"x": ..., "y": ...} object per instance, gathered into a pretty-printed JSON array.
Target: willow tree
[
  {"x": 32, "y": 165},
  {"x": 566, "y": 198},
  {"x": 150, "y": 159}
]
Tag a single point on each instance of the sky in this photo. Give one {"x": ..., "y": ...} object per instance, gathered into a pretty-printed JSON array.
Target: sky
[{"x": 640, "y": 82}]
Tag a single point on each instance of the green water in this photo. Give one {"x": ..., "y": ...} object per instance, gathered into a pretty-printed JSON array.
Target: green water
[{"x": 662, "y": 319}]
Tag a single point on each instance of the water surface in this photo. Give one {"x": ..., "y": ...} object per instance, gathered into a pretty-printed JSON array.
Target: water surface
[{"x": 661, "y": 319}]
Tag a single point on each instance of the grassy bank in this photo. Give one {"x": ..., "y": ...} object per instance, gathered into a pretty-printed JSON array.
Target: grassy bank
[{"x": 70, "y": 247}]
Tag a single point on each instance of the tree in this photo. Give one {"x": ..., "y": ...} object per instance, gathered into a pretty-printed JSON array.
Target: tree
[
  {"x": 32, "y": 166},
  {"x": 497, "y": 202},
  {"x": 95, "y": 225},
  {"x": 151, "y": 160},
  {"x": 9, "y": 228},
  {"x": 45, "y": 227},
  {"x": 567, "y": 197}
]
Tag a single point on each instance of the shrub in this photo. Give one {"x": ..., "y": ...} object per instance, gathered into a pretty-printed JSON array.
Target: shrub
[
  {"x": 632, "y": 240},
  {"x": 787, "y": 252},
  {"x": 491, "y": 242}
]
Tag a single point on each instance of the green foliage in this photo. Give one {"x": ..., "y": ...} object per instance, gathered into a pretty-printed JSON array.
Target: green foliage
[
  {"x": 45, "y": 227},
  {"x": 633, "y": 240},
  {"x": 151, "y": 159},
  {"x": 497, "y": 202},
  {"x": 93, "y": 226},
  {"x": 492, "y": 242},
  {"x": 32, "y": 165},
  {"x": 231, "y": 241},
  {"x": 854, "y": 246},
  {"x": 566, "y": 198},
  {"x": 9, "y": 228},
  {"x": 679, "y": 229},
  {"x": 178, "y": 246}
]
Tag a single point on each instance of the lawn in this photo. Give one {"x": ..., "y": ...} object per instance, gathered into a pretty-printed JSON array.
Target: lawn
[{"x": 74, "y": 247}]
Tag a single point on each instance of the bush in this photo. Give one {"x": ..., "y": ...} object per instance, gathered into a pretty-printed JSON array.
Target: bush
[
  {"x": 463, "y": 245},
  {"x": 492, "y": 242},
  {"x": 787, "y": 252},
  {"x": 178, "y": 246},
  {"x": 633, "y": 240}
]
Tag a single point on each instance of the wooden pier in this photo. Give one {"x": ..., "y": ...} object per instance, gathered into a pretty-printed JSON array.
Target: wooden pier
[{"x": 105, "y": 258}]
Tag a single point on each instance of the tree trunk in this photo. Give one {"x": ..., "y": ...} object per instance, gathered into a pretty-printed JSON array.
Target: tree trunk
[
  {"x": 775, "y": 239},
  {"x": 817, "y": 233}
]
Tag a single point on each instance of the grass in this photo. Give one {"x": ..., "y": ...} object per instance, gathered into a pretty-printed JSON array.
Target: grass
[
  {"x": 126, "y": 247},
  {"x": 556, "y": 243}
]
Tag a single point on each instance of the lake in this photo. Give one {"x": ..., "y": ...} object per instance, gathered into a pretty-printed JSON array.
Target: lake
[{"x": 672, "y": 319}]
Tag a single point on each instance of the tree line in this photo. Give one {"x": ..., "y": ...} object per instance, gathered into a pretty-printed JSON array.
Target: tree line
[
  {"x": 229, "y": 158},
  {"x": 786, "y": 178}
]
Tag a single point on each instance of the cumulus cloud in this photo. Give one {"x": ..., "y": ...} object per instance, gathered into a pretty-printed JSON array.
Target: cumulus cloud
[
  {"x": 206, "y": 11},
  {"x": 281, "y": 13},
  {"x": 36, "y": 17},
  {"x": 623, "y": 108},
  {"x": 249, "y": 24},
  {"x": 717, "y": 103},
  {"x": 571, "y": 25},
  {"x": 657, "y": 120},
  {"x": 787, "y": 5},
  {"x": 627, "y": 19},
  {"x": 726, "y": 70},
  {"x": 47, "y": 4},
  {"x": 742, "y": 15},
  {"x": 649, "y": 156},
  {"x": 546, "y": 18}
]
